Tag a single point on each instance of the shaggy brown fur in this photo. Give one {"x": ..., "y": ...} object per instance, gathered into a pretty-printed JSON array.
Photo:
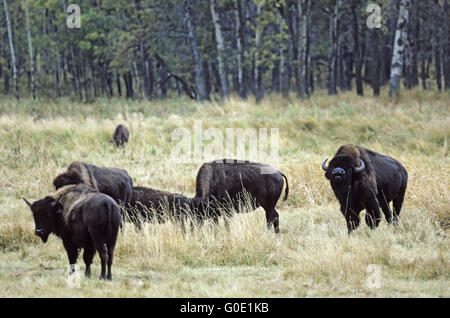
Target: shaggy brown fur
[
  {"x": 357, "y": 153},
  {"x": 228, "y": 181},
  {"x": 114, "y": 182},
  {"x": 121, "y": 135},
  {"x": 82, "y": 218},
  {"x": 155, "y": 205},
  {"x": 383, "y": 180}
]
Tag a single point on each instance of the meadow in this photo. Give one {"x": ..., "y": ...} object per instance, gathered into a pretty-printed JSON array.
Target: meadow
[{"x": 313, "y": 256}]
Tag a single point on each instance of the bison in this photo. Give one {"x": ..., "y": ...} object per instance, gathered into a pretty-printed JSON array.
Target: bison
[
  {"x": 155, "y": 205},
  {"x": 363, "y": 179},
  {"x": 114, "y": 182},
  {"x": 121, "y": 135},
  {"x": 226, "y": 182},
  {"x": 83, "y": 218}
]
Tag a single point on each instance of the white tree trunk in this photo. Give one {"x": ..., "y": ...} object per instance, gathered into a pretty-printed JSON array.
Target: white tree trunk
[
  {"x": 30, "y": 48},
  {"x": 199, "y": 76},
  {"x": 303, "y": 40},
  {"x": 258, "y": 42},
  {"x": 239, "y": 46},
  {"x": 399, "y": 47},
  {"x": 11, "y": 45},
  {"x": 220, "y": 42}
]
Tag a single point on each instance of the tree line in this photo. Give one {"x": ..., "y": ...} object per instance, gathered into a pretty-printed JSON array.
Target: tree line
[{"x": 147, "y": 49}]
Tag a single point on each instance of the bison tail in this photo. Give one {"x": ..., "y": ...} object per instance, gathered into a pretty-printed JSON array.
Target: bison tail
[{"x": 286, "y": 192}]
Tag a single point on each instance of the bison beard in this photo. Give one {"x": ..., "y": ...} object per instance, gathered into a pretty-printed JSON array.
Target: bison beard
[
  {"x": 225, "y": 182},
  {"x": 114, "y": 182},
  {"x": 363, "y": 179},
  {"x": 82, "y": 218},
  {"x": 148, "y": 204}
]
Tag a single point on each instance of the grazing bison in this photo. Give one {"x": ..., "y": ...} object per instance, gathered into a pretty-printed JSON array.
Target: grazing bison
[
  {"x": 363, "y": 179},
  {"x": 121, "y": 135},
  {"x": 155, "y": 205},
  {"x": 226, "y": 182},
  {"x": 82, "y": 218},
  {"x": 114, "y": 182}
]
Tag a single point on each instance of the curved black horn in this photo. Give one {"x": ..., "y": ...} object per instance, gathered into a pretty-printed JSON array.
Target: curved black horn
[
  {"x": 361, "y": 167},
  {"x": 324, "y": 165},
  {"x": 27, "y": 202}
]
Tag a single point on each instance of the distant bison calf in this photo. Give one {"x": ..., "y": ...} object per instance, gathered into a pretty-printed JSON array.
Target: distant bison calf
[
  {"x": 114, "y": 182},
  {"x": 363, "y": 179},
  {"x": 82, "y": 218},
  {"x": 148, "y": 204},
  {"x": 227, "y": 182},
  {"x": 121, "y": 135}
]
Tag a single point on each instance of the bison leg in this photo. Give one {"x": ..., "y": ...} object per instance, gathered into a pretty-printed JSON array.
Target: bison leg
[
  {"x": 72, "y": 253},
  {"x": 103, "y": 253},
  {"x": 353, "y": 219},
  {"x": 110, "y": 261},
  {"x": 386, "y": 209},
  {"x": 88, "y": 255},
  {"x": 276, "y": 221},
  {"x": 373, "y": 215},
  {"x": 272, "y": 219},
  {"x": 397, "y": 203}
]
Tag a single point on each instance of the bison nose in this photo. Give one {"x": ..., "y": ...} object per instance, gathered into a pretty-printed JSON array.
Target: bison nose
[{"x": 38, "y": 231}]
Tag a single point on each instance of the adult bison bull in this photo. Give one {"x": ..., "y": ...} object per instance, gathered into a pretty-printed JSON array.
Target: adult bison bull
[
  {"x": 114, "y": 182},
  {"x": 227, "y": 181},
  {"x": 82, "y": 218},
  {"x": 363, "y": 179},
  {"x": 149, "y": 204}
]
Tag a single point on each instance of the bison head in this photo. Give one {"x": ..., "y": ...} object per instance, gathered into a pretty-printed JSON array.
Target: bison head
[
  {"x": 341, "y": 169},
  {"x": 44, "y": 214}
]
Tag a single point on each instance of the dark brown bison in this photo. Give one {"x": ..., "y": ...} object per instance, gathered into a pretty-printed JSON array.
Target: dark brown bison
[
  {"x": 114, "y": 182},
  {"x": 363, "y": 179},
  {"x": 227, "y": 182},
  {"x": 121, "y": 135},
  {"x": 148, "y": 204},
  {"x": 82, "y": 218}
]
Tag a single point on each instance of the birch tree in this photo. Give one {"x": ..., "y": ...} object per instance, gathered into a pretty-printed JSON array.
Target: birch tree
[
  {"x": 304, "y": 8},
  {"x": 399, "y": 47},
  {"x": 220, "y": 42},
  {"x": 11, "y": 46},
  {"x": 30, "y": 48}
]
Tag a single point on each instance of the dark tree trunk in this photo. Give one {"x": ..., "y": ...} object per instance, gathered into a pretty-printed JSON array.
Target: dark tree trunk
[
  {"x": 375, "y": 65},
  {"x": 128, "y": 80},
  {"x": 437, "y": 23},
  {"x": 334, "y": 35},
  {"x": 119, "y": 87},
  {"x": 446, "y": 45},
  {"x": 357, "y": 49},
  {"x": 199, "y": 74}
]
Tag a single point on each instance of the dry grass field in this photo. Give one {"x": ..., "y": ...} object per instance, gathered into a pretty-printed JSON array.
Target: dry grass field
[{"x": 313, "y": 256}]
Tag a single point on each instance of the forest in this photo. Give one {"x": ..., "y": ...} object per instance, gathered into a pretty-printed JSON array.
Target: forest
[{"x": 150, "y": 49}]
